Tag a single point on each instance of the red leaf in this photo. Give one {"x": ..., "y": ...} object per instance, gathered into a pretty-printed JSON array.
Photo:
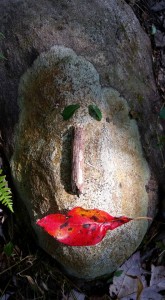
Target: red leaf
[{"x": 80, "y": 227}]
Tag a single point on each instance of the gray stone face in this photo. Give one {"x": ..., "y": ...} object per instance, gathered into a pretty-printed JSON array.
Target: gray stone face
[
  {"x": 115, "y": 171},
  {"x": 108, "y": 63}
]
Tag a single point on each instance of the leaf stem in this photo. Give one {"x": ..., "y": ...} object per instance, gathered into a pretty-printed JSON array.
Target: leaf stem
[{"x": 145, "y": 218}]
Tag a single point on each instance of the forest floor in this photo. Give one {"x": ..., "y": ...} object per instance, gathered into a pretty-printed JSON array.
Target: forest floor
[{"x": 27, "y": 272}]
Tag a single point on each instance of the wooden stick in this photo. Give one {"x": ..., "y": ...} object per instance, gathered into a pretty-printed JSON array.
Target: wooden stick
[{"x": 77, "y": 180}]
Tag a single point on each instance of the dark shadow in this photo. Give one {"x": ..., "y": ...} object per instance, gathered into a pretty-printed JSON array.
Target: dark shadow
[{"x": 66, "y": 161}]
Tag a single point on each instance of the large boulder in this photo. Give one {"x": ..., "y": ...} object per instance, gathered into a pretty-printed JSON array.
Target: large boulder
[
  {"x": 104, "y": 59},
  {"x": 115, "y": 171}
]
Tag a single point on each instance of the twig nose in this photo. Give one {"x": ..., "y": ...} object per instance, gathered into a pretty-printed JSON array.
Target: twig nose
[{"x": 77, "y": 179}]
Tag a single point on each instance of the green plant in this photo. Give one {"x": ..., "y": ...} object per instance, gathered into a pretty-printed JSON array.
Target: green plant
[
  {"x": 2, "y": 57},
  {"x": 5, "y": 192},
  {"x": 162, "y": 113},
  {"x": 8, "y": 249}
]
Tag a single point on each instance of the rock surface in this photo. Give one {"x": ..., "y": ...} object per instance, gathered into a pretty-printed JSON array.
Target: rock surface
[
  {"x": 115, "y": 171},
  {"x": 108, "y": 38}
]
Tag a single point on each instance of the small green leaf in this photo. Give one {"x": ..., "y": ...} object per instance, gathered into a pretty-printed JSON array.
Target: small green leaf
[
  {"x": 161, "y": 141},
  {"x": 115, "y": 274},
  {"x": 162, "y": 113},
  {"x": 69, "y": 111},
  {"x": 2, "y": 35},
  {"x": 110, "y": 280},
  {"x": 8, "y": 249},
  {"x": 160, "y": 245},
  {"x": 153, "y": 29},
  {"x": 118, "y": 273},
  {"x": 2, "y": 56},
  {"x": 95, "y": 112}
]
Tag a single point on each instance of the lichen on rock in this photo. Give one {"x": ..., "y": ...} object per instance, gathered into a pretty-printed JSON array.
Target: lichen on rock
[{"x": 115, "y": 171}]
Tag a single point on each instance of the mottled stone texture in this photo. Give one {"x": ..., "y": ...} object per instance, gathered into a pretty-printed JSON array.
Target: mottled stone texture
[
  {"x": 109, "y": 61},
  {"x": 115, "y": 171}
]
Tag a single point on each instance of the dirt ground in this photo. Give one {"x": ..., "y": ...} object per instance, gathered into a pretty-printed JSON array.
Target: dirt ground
[{"x": 26, "y": 272}]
